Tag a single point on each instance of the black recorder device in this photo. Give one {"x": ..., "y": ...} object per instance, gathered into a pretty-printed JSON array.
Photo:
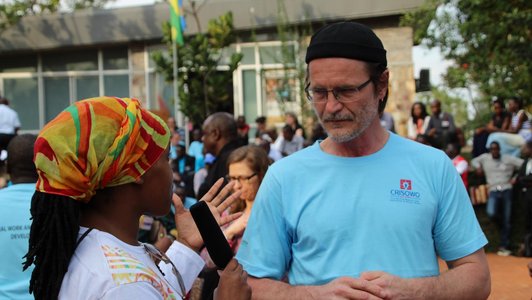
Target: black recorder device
[{"x": 212, "y": 235}]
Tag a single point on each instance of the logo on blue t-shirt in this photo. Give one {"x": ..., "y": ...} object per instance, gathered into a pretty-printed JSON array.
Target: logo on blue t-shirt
[
  {"x": 406, "y": 184},
  {"x": 405, "y": 193}
]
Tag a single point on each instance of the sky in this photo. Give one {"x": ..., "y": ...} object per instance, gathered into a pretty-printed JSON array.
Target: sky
[{"x": 423, "y": 58}]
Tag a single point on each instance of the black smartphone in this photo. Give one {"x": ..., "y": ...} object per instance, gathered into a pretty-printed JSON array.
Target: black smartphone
[{"x": 212, "y": 235}]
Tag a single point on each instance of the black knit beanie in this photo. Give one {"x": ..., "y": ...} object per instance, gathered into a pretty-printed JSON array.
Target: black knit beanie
[{"x": 347, "y": 40}]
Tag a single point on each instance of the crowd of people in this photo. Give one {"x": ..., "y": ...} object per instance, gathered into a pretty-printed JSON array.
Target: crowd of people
[{"x": 97, "y": 202}]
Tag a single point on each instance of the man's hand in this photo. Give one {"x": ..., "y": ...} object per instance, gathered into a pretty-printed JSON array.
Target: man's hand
[
  {"x": 346, "y": 288},
  {"x": 218, "y": 202},
  {"x": 233, "y": 283},
  {"x": 393, "y": 287}
]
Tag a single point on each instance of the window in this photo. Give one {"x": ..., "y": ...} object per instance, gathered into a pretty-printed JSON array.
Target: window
[
  {"x": 250, "y": 94},
  {"x": 19, "y": 64},
  {"x": 87, "y": 87},
  {"x": 115, "y": 59},
  {"x": 57, "y": 95},
  {"x": 277, "y": 54},
  {"x": 249, "y": 55},
  {"x": 116, "y": 85},
  {"x": 71, "y": 61},
  {"x": 23, "y": 96}
]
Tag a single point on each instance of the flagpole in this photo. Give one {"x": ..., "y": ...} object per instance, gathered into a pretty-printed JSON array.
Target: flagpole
[{"x": 177, "y": 114}]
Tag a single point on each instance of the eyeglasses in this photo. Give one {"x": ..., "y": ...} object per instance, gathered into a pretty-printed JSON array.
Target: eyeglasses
[
  {"x": 348, "y": 94},
  {"x": 240, "y": 179},
  {"x": 158, "y": 255}
]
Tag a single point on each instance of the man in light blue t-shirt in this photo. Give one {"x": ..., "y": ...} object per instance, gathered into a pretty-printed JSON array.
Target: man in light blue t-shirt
[
  {"x": 363, "y": 214},
  {"x": 15, "y": 202}
]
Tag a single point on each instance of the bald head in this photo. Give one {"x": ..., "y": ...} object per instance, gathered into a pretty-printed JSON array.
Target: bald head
[
  {"x": 219, "y": 129},
  {"x": 20, "y": 159},
  {"x": 435, "y": 107},
  {"x": 224, "y": 122}
]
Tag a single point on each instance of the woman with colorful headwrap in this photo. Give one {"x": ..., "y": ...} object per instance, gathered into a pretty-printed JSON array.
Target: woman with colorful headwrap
[{"x": 102, "y": 163}]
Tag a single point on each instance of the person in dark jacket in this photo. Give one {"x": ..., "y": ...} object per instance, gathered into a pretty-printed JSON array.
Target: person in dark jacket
[{"x": 220, "y": 138}]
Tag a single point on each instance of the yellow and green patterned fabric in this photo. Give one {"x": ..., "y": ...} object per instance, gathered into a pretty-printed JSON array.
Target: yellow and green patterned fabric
[{"x": 97, "y": 143}]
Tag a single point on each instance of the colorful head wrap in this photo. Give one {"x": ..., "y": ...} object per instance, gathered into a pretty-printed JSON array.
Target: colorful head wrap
[{"x": 97, "y": 143}]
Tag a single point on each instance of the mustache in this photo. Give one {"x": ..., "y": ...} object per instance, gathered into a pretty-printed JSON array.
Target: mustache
[{"x": 336, "y": 118}]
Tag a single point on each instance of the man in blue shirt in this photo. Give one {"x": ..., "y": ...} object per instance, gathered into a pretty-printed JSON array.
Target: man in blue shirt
[
  {"x": 15, "y": 223},
  {"x": 363, "y": 214}
]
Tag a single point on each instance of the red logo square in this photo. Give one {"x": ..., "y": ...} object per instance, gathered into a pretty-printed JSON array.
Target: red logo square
[{"x": 406, "y": 184}]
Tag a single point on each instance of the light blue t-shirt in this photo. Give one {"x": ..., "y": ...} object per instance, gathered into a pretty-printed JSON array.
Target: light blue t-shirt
[
  {"x": 15, "y": 223},
  {"x": 196, "y": 150},
  {"x": 318, "y": 217}
]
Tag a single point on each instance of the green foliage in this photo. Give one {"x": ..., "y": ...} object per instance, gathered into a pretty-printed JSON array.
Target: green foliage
[
  {"x": 489, "y": 41},
  {"x": 12, "y": 11},
  {"x": 298, "y": 33},
  {"x": 202, "y": 88},
  {"x": 420, "y": 19}
]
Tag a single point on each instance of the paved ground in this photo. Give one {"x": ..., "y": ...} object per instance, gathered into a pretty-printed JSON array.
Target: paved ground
[{"x": 509, "y": 278}]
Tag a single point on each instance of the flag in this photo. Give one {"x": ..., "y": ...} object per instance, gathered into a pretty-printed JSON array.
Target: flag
[{"x": 177, "y": 22}]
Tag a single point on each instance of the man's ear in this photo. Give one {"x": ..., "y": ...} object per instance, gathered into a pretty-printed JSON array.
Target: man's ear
[
  {"x": 216, "y": 133},
  {"x": 383, "y": 84}
]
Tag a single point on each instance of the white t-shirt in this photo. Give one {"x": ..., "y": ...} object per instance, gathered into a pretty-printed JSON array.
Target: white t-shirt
[
  {"x": 104, "y": 267},
  {"x": 289, "y": 147},
  {"x": 8, "y": 120}
]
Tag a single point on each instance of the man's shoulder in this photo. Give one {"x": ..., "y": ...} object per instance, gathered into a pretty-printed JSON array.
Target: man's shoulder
[
  {"x": 511, "y": 159},
  {"x": 411, "y": 147},
  {"x": 20, "y": 189}
]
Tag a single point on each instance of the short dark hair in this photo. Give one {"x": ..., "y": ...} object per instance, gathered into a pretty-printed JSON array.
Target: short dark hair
[
  {"x": 287, "y": 128},
  {"x": 4, "y": 100},
  {"x": 260, "y": 120},
  {"x": 375, "y": 71},
  {"x": 20, "y": 157},
  {"x": 224, "y": 122},
  {"x": 517, "y": 100},
  {"x": 495, "y": 143},
  {"x": 499, "y": 101}
]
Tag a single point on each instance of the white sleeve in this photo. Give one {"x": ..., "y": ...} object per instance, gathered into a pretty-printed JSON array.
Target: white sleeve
[
  {"x": 462, "y": 166},
  {"x": 188, "y": 262},
  {"x": 16, "y": 121},
  {"x": 300, "y": 142},
  {"x": 477, "y": 161},
  {"x": 411, "y": 129},
  {"x": 278, "y": 143}
]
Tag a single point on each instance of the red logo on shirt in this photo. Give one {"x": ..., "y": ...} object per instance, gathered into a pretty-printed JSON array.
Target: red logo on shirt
[{"x": 406, "y": 184}]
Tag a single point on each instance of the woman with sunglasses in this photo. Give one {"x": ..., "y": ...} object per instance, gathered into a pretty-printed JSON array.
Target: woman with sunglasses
[{"x": 102, "y": 163}]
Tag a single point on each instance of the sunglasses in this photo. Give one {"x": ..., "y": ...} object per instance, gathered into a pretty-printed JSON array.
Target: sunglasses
[{"x": 157, "y": 255}]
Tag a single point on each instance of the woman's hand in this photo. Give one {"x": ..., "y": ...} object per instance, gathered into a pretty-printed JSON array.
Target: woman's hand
[
  {"x": 218, "y": 201},
  {"x": 237, "y": 227}
]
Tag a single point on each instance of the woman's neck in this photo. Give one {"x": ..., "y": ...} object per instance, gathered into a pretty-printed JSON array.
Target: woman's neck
[{"x": 106, "y": 215}]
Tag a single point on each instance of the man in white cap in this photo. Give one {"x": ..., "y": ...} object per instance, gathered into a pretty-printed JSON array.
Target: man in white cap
[{"x": 363, "y": 214}]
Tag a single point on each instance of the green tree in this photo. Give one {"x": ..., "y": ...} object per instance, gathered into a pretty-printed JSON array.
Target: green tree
[
  {"x": 12, "y": 11},
  {"x": 488, "y": 40},
  {"x": 203, "y": 88},
  {"x": 293, "y": 59}
]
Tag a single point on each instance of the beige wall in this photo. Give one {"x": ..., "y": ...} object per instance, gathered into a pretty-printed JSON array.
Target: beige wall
[
  {"x": 138, "y": 82},
  {"x": 398, "y": 43}
]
